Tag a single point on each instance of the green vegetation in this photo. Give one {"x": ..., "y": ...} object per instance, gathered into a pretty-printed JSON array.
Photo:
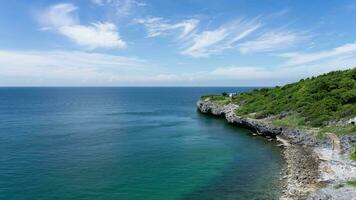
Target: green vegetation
[
  {"x": 338, "y": 186},
  {"x": 318, "y": 100},
  {"x": 219, "y": 99},
  {"x": 214, "y": 97},
  {"x": 352, "y": 183},
  {"x": 290, "y": 121},
  {"x": 353, "y": 154},
  {"x": 311, "y": 103},
  {"x": 339, "y": 130}
]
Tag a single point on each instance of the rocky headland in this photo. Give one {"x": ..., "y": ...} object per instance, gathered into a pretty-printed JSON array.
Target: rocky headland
[{"x": 314, "y": 169}]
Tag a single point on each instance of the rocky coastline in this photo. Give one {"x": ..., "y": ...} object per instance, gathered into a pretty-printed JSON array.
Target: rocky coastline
[{"x": 314, "y": 168}]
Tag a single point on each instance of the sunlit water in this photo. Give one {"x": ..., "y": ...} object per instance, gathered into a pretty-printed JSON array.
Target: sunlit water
[{"x": 127, "y": 143}]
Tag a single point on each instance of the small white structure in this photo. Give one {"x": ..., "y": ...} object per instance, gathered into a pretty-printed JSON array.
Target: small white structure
[
  {"x": 232, "y": 94},
  {"x": 352, "y": 121}
]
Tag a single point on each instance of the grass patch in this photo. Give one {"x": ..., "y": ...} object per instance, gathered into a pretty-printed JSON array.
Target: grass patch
[
  {"x": 320, "y": 135},
  {"x": 353, "y": 154},
  {"x": 292, "y": 121},
  {"x": 299, "y": 122},
  {"x": 219, "y": 99},
  {"x": 338, "y": 186},
  {"x": 352, "y": 183},
  {"x": 339, "y": 130},
  {"x": 212, "y": 97}
]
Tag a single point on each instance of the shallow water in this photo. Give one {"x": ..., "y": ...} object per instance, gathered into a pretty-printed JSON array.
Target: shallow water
[{"x": 127, "y": 143}]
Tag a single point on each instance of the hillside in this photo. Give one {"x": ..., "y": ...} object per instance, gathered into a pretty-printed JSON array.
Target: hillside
[{"x": 324, "y": 103}]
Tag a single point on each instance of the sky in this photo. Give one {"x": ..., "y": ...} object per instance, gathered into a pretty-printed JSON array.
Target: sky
[{"x": 173, "y": 43}]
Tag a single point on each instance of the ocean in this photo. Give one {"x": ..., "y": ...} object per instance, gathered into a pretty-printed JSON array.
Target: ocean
[{"x": 128, "y": 143}]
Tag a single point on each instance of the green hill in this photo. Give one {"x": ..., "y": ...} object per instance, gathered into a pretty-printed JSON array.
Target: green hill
[{"x": 327, "y": 101}]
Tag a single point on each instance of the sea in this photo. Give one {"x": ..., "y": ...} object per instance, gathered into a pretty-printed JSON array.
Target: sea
[{"x": 128, "y": 143}]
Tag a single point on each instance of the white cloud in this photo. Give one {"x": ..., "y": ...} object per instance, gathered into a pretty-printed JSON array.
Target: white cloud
[
  {"x": 244, "y": 73},
  {"x": 215, "y": 41},
  {"x": 231, "y": 76},
  {"x": 250, "y": 75},
  {"x": 59, "y": 15},
  {"x": 271, "y": 41},
  {"x": 156, "y": 26},
  {"x": 302, "y": 58},
  {"x": 65, "y": 68},
  {"x": 255, "y": 75},
  {"x": 199, "y": 43},
  {"x": 63, "y": 19},
  {"x": 95, "y": 36},
  {"x": 68, "y": 68}
]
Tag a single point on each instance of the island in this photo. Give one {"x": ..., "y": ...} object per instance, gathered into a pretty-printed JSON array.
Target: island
[{"x": 314, "y": 120}]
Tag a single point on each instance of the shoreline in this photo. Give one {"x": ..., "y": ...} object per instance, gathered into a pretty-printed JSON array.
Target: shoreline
[{"x": 314, "y": 168}]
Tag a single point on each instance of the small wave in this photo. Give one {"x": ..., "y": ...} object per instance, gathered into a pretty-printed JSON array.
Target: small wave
[{"x": 138, "y": 113}]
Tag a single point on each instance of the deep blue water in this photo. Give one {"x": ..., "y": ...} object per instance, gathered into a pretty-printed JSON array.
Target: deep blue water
[{"x": 127, "y": 143}]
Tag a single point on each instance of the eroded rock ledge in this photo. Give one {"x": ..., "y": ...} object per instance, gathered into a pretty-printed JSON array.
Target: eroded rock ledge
[{"x": 313, "y": 167}]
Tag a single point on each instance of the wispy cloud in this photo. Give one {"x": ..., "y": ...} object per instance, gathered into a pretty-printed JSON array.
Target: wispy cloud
[
  {"x": 157, "y": 26},
  {"x": 197, "y": 42},
  {"x": 63, "y": 19},
  {"x": 272, "y": 41},
  {"x": 65, "y": 67},
  {"x": 279, "y": 75},
  {"x": 251, "y": 75},
  {"x": 302, "y": 58},
  {"x": 122, "y": 7},
  {"x": 81, "y": 68},
  {"x": 215, "y": 41}
]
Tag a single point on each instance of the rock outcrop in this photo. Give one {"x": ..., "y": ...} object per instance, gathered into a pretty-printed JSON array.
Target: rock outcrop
[{"x": 310, "y": 172}]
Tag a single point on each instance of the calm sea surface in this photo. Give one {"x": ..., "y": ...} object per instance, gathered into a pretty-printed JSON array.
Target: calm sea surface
[{"x": 127, "y": 143}]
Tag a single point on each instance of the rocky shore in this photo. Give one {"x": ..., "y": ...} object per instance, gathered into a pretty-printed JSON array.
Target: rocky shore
[{"x": 315, "y": 169}]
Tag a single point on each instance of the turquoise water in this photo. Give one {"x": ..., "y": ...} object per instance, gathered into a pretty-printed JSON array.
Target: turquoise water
[{"x": 127, "y": 143}]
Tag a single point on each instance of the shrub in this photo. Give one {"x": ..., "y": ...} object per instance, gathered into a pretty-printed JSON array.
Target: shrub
[{"x": 330, "y": 96}]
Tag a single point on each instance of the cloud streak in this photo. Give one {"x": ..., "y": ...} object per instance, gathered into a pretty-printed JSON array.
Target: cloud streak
[
  {"x": 73, "y": 68},
  {"x": 198, "y": 43},
  {"x": 206, "y": 43},
  {"x": 302, "y": 58},
  {"x": 65, "y": 67},
  {"x": 250, "y": 75},
  {"x": 157, "y": 26},
  {"x": 271, "y": 41},
  {"x": 122, "y": 7},
  {"x": 241, "y": 34},
  {"x": 62, "y": 19}
]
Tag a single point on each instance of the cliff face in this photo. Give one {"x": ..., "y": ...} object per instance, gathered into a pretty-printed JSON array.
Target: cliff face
[
  {"x": 260, "y": 127},
  {"x": 227, "y": 111},
  {"x": 310, "y": 162}
]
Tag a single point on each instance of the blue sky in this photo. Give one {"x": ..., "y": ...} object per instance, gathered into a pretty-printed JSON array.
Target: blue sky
[{"x": 173, "y": 43}]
